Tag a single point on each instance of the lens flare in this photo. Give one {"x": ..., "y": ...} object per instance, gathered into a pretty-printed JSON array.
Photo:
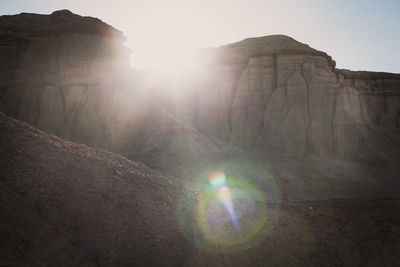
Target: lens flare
[
  {"x": 218, "y": 181},
  {"x": 230, "y": 212}
]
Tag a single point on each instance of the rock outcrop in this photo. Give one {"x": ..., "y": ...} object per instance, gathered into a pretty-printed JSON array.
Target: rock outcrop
[
  {"x": 61, "y": 73},
  {"x": 274, "y": 93},
  {"x": 69, "y": 75}
]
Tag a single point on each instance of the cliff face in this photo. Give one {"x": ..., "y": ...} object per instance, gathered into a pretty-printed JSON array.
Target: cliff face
[
  {"x": 367, "y": 112},
  {"x": 69, "y": 75},
  {"x": 270, "y": 94},
  {"x": 274, "y": 93},
  {"x": 60, "y": 73}
]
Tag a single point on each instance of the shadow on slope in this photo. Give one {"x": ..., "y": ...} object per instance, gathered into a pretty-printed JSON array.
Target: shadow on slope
[{"x": 68, "y": 204}]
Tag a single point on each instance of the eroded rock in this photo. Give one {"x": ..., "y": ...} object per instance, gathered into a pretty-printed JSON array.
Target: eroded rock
[
  {"x": 60, "y": 71},
  {"x": 69, "y": 75}
]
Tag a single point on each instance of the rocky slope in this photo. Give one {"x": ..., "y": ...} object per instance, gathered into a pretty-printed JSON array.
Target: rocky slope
[{"x": 66, "y": 204}]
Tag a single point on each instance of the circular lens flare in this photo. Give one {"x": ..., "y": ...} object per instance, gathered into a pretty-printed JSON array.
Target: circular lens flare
[{"x": 231, "y": 213}]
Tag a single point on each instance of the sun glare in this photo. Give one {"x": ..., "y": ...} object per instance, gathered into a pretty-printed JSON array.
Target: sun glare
[{"x": 173, "y": 62}]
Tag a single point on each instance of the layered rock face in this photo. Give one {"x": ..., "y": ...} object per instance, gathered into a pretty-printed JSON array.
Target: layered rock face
[
  {"x": 69, "y": 75},
  {"x": 61, "y": 73},
  {"x": 367, "y": 113},
  {"x": 273, "y": 92}
]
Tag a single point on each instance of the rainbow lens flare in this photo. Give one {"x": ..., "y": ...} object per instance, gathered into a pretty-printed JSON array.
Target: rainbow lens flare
[
  {"x": 218, "y": 181},
  {"x": 230, "y": 213}
]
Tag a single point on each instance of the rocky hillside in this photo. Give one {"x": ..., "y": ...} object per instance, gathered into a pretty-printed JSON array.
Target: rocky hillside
[
  {"x": 64, "y": 204},
  {"x": 67, "y": 204}
]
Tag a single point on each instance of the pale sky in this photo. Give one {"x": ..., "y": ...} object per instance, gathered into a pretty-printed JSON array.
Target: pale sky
[{"x": 358, "y": 34}]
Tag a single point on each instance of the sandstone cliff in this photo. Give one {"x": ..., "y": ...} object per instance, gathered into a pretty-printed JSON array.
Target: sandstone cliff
[
  {"x": 274, "y": 93},
  {"x": 69, "y": 75},
  {"x": 61, "y": 73}
]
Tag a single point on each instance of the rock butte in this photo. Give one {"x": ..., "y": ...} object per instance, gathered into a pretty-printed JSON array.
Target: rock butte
[{"x": 69, "y": 75}]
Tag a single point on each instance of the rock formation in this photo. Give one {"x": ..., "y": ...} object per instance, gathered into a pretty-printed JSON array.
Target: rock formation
[
  {"x": 61, "y": 73},
  {"x": 313, "y": 147},
  {"x": 69, "y": 75},
  {"x": 274, "y": 93}
]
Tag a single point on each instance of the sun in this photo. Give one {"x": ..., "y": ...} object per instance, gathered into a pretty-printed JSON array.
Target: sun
[
  {"x": 167, "y": 58},
  {"x": 167, "y": 55}
]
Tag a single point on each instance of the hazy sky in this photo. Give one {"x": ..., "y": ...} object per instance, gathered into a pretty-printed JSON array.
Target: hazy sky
[{"x": 359, "y": 35}]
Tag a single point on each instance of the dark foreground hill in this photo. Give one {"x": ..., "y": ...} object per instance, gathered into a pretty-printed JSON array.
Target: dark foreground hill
[{"x": 67, "y": 204}]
